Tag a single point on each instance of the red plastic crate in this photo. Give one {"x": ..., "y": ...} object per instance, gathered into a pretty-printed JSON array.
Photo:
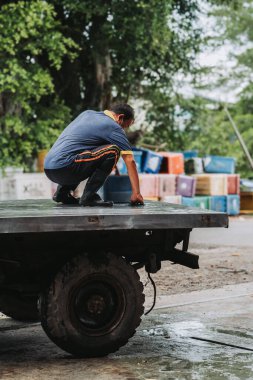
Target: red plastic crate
[
  {"x": 149, "y": 185},
  {"x": 173, "y": 163},
  {"x": 233, "y": 183}
]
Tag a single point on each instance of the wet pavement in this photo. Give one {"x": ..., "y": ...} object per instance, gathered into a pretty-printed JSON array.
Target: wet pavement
[{"x": 199, "y": 335}]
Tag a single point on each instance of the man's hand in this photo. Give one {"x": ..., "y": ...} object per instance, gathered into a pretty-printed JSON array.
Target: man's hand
[{"x": 136, "y": 199}]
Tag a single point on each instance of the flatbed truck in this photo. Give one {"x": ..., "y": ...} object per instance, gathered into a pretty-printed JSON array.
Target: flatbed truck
[{"x": 76, "y": 268}]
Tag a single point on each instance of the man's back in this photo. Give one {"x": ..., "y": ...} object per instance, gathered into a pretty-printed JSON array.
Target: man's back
[{"x": 89, "y": 130}]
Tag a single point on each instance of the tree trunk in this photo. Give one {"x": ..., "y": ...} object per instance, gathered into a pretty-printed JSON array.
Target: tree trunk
[{"x": 103, "y": 75}]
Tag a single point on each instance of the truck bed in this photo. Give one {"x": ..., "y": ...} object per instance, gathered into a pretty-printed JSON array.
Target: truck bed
[{"x": 28, "y": 216}]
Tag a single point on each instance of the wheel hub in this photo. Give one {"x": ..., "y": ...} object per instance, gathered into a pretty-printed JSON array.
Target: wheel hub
[{"x": 98, "y": 304}]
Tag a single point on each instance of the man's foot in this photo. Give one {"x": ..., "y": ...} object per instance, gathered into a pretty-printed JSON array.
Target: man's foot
[
  {"x": 95, "y": 201},
  {"x": 100, "y": 203},
  {"x": 65, "y": 198}
]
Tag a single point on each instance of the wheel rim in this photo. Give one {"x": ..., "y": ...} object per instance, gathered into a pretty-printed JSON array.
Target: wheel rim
[{"x": 98, "y": 304}]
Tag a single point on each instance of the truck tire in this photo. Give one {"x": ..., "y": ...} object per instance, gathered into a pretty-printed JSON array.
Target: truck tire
[
  {"x": 19, "y": 307},
  {"x": 93, "y": 305}
]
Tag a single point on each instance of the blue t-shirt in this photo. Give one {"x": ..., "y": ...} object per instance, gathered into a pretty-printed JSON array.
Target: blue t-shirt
[{"x": 89, "y": 130}]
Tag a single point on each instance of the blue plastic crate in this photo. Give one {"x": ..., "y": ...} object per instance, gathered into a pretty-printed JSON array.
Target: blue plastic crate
[
  {"x": 118, "y": 196},
  {"x": 117, "y": 183},
  {"x": 117, "y": 188},
  {"x": 218, "y": 164},
  {"x": 151, "y": 161},
  {"x": 233, "y": 204},
  {"x": 138, "y": 159},
  {"x": 121, "y": 166},
  {"x": 199, "y": 202},
  {"x": 190, "y": 154},
  {"x": 218, "y": 203},
  {"x": 202, "y": 202},
  {"x": 188, "y": 201}
]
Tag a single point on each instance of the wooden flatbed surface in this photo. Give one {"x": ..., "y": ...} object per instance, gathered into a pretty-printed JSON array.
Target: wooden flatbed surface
[{"x": 46, "y": 216}]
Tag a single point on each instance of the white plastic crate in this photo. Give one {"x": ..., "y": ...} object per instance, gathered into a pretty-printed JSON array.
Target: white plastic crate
[
  {"x": 167, "y": 185},
  {"x": 149, "y": 185},
  {"x": 25, "y": 186},
  {"x": 211, "y": 184},
  {"x": 176, "y": 199}
]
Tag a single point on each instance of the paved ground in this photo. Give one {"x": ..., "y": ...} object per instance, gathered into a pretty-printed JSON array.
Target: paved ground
[
  {"x": 199, "y": 335},
  {"x": 239, "y": 234},
  {"x": 225, "y": 257},
  {"x": 193, "y": 335}
]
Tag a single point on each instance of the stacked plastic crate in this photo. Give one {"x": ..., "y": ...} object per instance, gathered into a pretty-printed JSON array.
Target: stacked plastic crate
[
  {"x": 209, "y": 183},
  {"x": 118, "y": 188},
  {"x": 20, "y": 186},
  {"x": 217, "y": 187},
  {"x": 148, "y": 164},
  {"x": 161, "y": 178},
  {"x": 173, "y": 165},
  {"x": 149, "y": 179}
]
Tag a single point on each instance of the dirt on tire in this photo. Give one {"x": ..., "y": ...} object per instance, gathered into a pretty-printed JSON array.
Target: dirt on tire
[{"x": 58, "y": 310}]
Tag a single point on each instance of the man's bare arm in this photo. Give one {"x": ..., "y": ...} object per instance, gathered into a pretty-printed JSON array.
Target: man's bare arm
[{"x": 136, "y": 197}]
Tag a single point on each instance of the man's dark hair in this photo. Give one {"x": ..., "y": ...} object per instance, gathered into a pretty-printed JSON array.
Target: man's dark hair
[{"x": 123, "y": 108}]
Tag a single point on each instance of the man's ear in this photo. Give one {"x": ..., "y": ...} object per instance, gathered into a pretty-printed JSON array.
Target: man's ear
[{"x": 121, "y": 116}]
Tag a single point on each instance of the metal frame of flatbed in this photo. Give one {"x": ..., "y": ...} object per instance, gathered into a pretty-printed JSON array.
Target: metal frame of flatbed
[
  {"x": 34, "y": 216},
  {"x": 37, "y": 237}
]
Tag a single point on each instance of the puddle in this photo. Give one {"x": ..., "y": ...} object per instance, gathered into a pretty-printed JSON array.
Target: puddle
[
  {"x": 162, "y": 349},
  {"x": 223, "y": 367},
  {"x": 157, "y": 331},
  {"x": 175, "y": 329}
]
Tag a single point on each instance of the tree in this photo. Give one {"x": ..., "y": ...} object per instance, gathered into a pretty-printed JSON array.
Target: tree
[
  {"x": 195, "y": 123},
  {"x": 27, "y": 31},
  {"x": 205, "y": 127},
  {"x": 124, "y": 47},
  {"x": 59, "y": 57},
  {"x": 212, "y": 132}
]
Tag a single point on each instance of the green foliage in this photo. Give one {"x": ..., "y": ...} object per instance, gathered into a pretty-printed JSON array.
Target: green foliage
[
  {"x": 180, "y": 123},
  {"x": 208, "y": 130},
  {"x": 23, "y": 137},
  {"x": 235, "y": 22},
  {"x": 163, "y": 119},
  {"x": 124, "y": 48},
  {"x": 215, "y": 134},
  {"x": 59, "y": 57},
  {"x": 28, "y": 31}
]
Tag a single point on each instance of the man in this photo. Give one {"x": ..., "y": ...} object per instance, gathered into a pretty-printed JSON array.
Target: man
[{"x": 90, "y": 147}]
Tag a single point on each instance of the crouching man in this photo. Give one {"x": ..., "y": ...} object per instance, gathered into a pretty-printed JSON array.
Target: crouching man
[{"x": 90, "y": 147}]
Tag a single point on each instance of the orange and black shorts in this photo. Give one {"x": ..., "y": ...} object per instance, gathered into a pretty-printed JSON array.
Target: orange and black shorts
[{"x": 84, "y": 164}]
